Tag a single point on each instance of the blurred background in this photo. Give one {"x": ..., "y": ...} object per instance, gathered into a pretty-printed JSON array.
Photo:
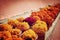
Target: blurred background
[{"x": 9, "y": 8}]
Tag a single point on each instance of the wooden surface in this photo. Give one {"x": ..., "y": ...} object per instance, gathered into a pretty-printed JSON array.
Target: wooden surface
[{"x": 56, "y": 33}]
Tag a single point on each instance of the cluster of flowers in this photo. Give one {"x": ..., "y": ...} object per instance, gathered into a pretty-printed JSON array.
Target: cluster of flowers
[{"x": 30, "y": 28}]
